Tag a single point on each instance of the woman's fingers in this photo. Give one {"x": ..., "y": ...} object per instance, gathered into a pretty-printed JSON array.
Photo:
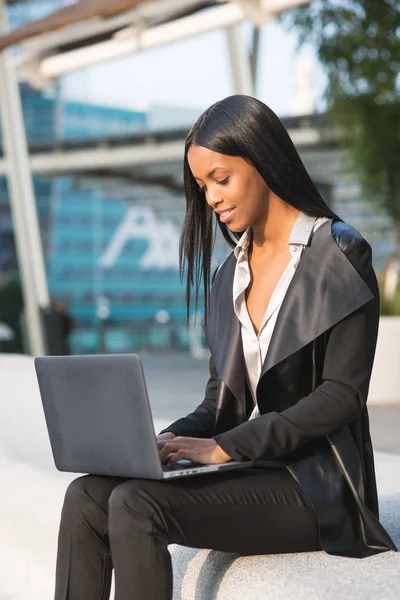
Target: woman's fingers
[
  {"x": 181, "y": 447},
  {"x": 161, "y": 444},
  {"x": 199, "y": 450},
  {"x": 163, "y": 438},
  {"x": 170, "y": 447},
  {"x": 168, "y": 435},
  {"x": 173, "y": 458}
]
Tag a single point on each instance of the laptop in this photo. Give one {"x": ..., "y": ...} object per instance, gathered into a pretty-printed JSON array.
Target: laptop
[{"x": 99, "y": 420}]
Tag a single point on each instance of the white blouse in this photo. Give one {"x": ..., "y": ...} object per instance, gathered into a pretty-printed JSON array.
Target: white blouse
[{"x": 255, "y": 347}]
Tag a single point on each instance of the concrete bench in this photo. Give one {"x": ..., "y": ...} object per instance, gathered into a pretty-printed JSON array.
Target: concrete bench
[
  {"x": 211, "y": 575},
  {"x": 32, "y": 495}
]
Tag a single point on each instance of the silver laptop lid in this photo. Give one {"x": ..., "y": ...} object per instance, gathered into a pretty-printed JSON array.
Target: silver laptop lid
[{"x": 98, "y": 415}]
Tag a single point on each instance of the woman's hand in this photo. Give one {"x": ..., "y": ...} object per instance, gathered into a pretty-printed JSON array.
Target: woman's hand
[
  {"x": 163, "y": 438},
  {"x": 198, "y": 450}
]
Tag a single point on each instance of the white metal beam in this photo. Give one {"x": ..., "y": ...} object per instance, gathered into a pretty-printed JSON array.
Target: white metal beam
[
  {"x": 89, "y": 159},
  {"x": 255, "y": 11},
  {"x": 280, "y": 6},
  {"x": 39, "y": 64},
  {"x": 73, "y": 161},
  {"x": 240, "y": 61},
  {"x": 103, "y": 158},
  {"x": 134, "y": 40},
  {"x": 149, "y": 11},
  {"x": 22, "y": 201},
  {"x": 255, "y": 53}
]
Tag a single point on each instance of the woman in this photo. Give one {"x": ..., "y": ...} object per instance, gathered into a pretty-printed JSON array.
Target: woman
[{"x": 291, "y": 326}]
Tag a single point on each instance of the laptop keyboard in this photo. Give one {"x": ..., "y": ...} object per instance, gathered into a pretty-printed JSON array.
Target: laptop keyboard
[{"x": 182, "y": 466}]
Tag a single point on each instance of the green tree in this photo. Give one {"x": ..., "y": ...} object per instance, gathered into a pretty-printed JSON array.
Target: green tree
[{"x": 358, "y": 45}]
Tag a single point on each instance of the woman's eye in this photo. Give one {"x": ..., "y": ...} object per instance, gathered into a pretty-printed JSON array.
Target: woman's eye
[{"x": 223, "y": 182}]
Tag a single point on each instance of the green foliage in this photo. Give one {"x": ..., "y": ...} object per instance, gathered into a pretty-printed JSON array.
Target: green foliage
[
  {"x": 358, "y": 44},
  {"x": 390, "y": 308}
]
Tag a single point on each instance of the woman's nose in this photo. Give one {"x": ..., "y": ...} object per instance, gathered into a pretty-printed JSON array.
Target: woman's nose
[{"x": 213, "y": 198}]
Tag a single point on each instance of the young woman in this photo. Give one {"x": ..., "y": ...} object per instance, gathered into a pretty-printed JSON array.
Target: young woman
[{"x": 291, "y": 321}]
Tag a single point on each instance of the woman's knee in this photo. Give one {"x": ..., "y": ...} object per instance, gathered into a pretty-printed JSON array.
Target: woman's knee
[
  {"x": 77, "y": 490},
  {"x": 89, "y": 492},
  {"x": 78, "y": 507},
  {"x": 140, "y": 497}
]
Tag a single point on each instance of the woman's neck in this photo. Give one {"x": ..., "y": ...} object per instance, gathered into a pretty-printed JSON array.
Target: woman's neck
[{"x": 272, "y": 233}]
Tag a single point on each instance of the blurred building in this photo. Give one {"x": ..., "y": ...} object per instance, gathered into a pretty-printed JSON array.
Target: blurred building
[
  {"x": 79, "y": 219},
  {"x": 119, "y": 241},
  {"x": 303, "y": 92},
  {"x": 49, "y": 116},
  {"x": 110, "y": 239}
]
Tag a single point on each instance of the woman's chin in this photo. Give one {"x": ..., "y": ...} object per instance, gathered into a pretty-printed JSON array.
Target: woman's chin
[{"x": 236, "y": 227}]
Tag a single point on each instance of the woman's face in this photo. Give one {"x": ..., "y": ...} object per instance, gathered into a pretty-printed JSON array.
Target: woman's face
[{"x": 232, "y": 187}]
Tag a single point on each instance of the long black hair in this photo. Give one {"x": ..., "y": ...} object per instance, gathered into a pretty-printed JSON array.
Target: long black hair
[{"x": 242, "y": 126}]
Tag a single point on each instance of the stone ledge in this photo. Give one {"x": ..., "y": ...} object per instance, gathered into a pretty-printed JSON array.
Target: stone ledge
[{"x": 211, "y": 575}]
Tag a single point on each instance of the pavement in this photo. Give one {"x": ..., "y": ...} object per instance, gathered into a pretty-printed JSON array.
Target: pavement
[{"x": 176, "y": 384}]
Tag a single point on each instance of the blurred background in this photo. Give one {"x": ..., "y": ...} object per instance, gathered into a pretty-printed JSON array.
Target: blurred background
[{"x": 96, "y": 99}]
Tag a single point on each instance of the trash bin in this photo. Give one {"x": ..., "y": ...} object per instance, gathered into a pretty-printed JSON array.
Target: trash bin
[{"x": 56, "y": 338}]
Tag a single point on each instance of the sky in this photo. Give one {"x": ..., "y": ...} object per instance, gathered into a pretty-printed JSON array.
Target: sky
[{"x": 194, "y": 73}]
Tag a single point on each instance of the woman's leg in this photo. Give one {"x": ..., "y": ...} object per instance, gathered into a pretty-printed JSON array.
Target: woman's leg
[
  {"x": 84, "y": 566},
  {"x": 249, "y": 512}
]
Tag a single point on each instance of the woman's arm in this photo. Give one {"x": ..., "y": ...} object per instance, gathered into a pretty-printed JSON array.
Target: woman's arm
[
  {"x": 337, "y": 401},
  {"x": 200, "y": 423}
]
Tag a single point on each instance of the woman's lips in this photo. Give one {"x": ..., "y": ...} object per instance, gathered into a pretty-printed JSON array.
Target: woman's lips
[{"x": 226, "y": 216}]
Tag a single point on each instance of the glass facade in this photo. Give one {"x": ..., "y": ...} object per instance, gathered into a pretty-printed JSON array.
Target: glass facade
[
  {"x": 48, "y": 117},
  {"x": 39, "y": 114},
  {"x": 328, "y": 166},
  {"x": 122, "y": 248},
  {"x": 79, "y": 222},
  {"x": 80, "y": 120}
]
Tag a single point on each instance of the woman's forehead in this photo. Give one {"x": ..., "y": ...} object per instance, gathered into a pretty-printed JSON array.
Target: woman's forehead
[{"x": 203, "y": 160}]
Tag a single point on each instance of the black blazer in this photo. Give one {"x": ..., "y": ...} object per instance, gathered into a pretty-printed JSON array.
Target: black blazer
[{"x": 313, "y": 387}]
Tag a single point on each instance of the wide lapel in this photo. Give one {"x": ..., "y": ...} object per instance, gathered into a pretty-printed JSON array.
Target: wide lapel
[
  {"x": 324, "y": 290},
  {"x": 223, "y": 332}
]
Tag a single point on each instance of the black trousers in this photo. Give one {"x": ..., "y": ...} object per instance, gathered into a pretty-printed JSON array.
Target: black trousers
[{"x": 126, "y": 524}]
